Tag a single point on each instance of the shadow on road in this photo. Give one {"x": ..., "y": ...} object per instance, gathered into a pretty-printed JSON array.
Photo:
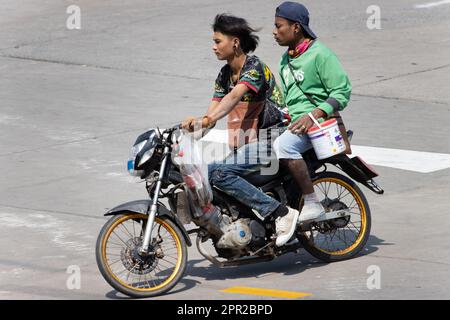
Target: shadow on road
[
  {"x": 372, "y": 245},
  {"x": 289, "y": 264},
  {"x": 183, "y": 285}
]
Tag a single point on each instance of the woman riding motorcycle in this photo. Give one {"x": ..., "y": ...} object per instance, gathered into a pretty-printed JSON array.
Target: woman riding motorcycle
[{"x": 241, "y": 89}]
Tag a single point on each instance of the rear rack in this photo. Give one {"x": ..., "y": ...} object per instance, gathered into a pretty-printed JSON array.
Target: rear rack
[{"x": 358, "y": 170}]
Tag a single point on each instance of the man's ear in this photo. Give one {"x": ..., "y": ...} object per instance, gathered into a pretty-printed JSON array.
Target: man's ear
[
  {"x": 298, "y": 28},
  {"x": 236, "y": 43}
]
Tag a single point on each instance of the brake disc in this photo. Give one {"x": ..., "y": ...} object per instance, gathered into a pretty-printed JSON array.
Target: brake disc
[{"x": 135, "y": 262}]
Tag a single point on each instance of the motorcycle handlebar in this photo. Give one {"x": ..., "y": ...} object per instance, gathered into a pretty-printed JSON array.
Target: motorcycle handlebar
[{"x": 175, "y": 127}]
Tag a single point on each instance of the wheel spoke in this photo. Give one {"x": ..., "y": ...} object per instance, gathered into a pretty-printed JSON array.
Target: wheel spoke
[
  {"x": 328, "y": 189},
  {"x": 126, "y": 229},
  {"x": 339, "y": 191},
  {"x": 342, "y": 197},
  {"x": 120, "y": 239},
  {"x": 113, "y": 254},
  {"x": 354, "y": 233},
  {"x": 322, "y": 190},
  {"x": 350, "y": 205},
  {"x": 115, "y": 262},
  {"x": 118, "y": 245}
]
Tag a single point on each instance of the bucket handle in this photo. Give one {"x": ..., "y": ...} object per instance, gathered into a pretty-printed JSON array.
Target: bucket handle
[{"x": 314, "y": 120}]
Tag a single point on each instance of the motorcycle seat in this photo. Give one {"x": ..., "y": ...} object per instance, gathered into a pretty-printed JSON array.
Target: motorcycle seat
[{"x": 257, "y": 179}]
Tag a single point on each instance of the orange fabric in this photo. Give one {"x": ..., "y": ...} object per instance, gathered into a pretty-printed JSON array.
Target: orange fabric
[{"x": 243, "y": 123}]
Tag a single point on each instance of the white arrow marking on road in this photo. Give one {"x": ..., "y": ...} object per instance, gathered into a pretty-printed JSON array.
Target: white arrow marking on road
[
  {"x": 431, "y": 4},
  {"x": 417, "y": 161}
]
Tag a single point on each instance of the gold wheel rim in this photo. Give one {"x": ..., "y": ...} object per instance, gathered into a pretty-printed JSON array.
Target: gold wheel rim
[
  {"x": 363, "y": 215},
  {"x": 163, "y": 224}
]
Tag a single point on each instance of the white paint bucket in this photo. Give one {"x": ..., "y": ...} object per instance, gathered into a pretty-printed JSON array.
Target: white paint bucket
[{"x": 326, "y": 138}]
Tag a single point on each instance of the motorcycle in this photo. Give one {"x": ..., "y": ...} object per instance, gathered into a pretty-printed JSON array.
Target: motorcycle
[{"x": 141, "y": 251}]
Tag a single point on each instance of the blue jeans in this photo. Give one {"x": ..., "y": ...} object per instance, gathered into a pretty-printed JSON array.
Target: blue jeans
[
  {"x": 291, "y": 146},
  {"x": 227, "y": 176}
]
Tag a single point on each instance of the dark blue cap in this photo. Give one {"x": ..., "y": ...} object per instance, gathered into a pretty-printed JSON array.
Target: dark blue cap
[{"x": 295, "y": 12}]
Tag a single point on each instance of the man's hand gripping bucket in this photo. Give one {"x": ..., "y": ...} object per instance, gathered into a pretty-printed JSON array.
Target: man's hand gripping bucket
[{"x": 326, "y": 138}]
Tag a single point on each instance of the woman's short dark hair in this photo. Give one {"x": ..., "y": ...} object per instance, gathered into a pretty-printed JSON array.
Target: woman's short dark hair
[{"x": 239, "y": 28}]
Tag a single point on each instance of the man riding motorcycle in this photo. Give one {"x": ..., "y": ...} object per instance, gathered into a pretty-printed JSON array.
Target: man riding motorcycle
[
  {"x": 314, "y": 83},
  {"x": 240, "y": 92}
]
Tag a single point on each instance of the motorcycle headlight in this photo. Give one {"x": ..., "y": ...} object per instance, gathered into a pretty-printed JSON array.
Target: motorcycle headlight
[
  {"x": 146, "y": 156},
  {"x": 131, "y": 160}
]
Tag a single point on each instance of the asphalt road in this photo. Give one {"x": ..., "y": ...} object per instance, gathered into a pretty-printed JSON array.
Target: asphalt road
[{"x": 73, "y": 101}]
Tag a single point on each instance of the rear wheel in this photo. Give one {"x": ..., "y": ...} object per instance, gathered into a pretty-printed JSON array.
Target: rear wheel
[
  {"x": 341, "y": 238},
  {"x": 132, "y": 273}
]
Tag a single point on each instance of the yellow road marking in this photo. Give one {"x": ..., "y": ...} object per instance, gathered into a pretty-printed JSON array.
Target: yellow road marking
[{"x": 267, "y": 292}]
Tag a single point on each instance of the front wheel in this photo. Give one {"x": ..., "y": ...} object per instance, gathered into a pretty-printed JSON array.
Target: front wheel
[
  {"x": 128, "y": 271},
  {"x": 342, "y": 238}
]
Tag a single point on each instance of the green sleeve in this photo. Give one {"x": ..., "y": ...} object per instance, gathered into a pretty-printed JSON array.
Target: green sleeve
[
  {"x": 336, "y": 83},
  {"x": 281, "y": 66}
]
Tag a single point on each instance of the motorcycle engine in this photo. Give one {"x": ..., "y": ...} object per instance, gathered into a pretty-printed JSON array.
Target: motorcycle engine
[{"x": 237, "y": 235}]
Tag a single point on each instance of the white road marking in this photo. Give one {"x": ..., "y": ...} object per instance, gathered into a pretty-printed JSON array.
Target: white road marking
[
  {"x": 431, "y": 4},
  {"x": 216, "y": 135},
  {"x": 417, "y": 161}
]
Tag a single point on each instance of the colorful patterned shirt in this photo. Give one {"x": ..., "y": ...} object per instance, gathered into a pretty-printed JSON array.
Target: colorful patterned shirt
[{"x": 244, "y": 117}]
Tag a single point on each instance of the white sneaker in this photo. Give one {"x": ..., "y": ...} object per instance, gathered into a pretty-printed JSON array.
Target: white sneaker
[
  {"x": 285, "y": 226},
  {"x": 311, "y": 211}
]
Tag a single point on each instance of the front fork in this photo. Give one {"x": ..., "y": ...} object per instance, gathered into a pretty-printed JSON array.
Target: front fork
[{"x": 154, "y": 206}]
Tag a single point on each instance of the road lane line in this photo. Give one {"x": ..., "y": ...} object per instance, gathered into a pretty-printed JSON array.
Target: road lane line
[
  {"x": 267, "y": 292},
  {"x": 416, "y": 161},
  {"x": 431, "y": 4}
]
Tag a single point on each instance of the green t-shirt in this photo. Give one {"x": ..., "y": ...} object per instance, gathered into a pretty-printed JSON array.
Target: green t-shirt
[{"x": 320, "y": 75}]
